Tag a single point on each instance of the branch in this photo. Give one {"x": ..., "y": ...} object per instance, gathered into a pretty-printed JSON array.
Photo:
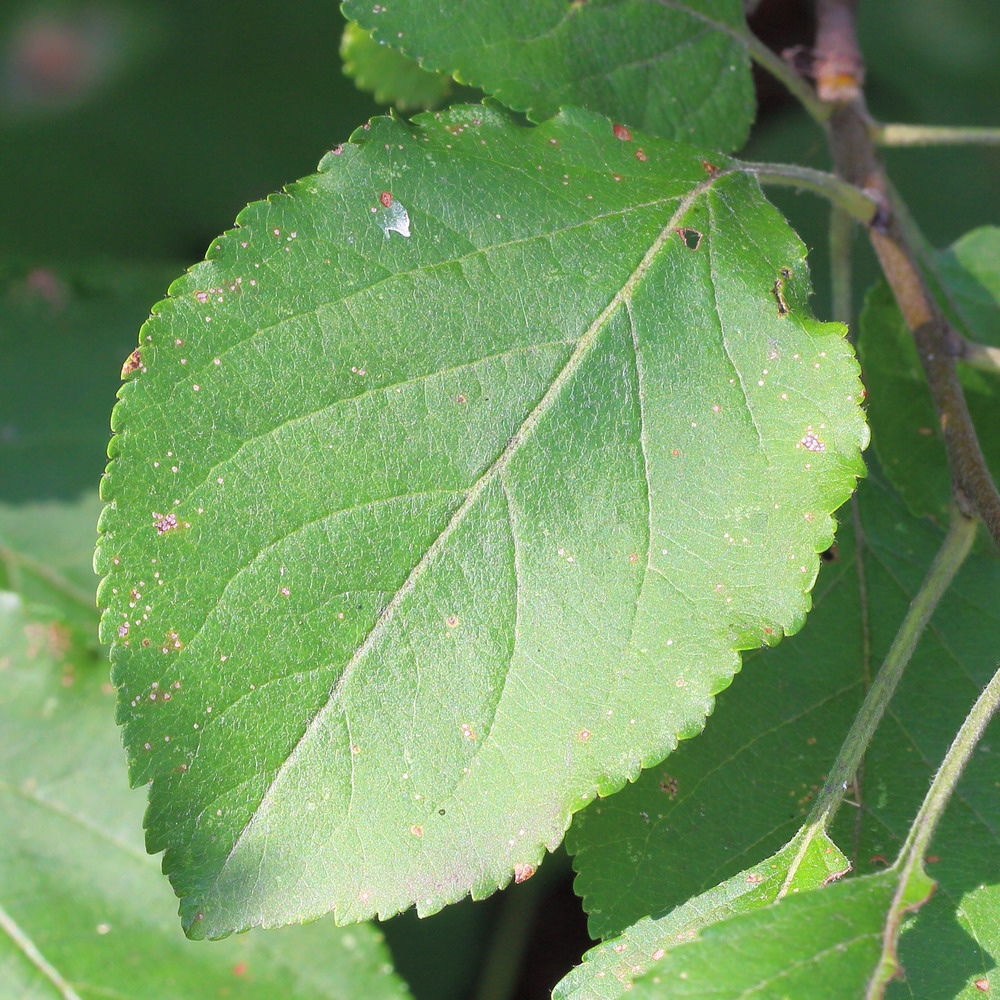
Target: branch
[
  {"x": 938, "y": 343},
  {"x": 838, "y": 67}
]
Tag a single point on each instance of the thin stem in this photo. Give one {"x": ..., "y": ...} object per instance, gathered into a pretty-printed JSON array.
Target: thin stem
[
  {"x": 949, "y": 558},
  {"x": 786, "y": 74},
  {"x": 864, "y": 620},
  {"x": 949, "y": 772},
  {"x": 934, "y": 135},
  {"x": 841, "y": 238},
  {"x": 856, "y": 203},
  {"x": 910, "y": 863}
]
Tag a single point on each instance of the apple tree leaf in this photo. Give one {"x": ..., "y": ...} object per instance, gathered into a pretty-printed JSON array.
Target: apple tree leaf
[{"x": 443, "y": 497}]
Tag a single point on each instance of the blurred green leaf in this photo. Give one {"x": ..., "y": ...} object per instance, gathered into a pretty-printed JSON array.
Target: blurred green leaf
[
  {"x": 677, "y": 69},
  {"x": 418, "y": 662},
  {"x": 83, "y": 909},
  {"x": 64, "y": 333},
  {"x": 45, "y": 556},
  {"x": 905, "y": 427},
  {"x": 779, "y": 727},
  {"x": 392, "y": 77}
]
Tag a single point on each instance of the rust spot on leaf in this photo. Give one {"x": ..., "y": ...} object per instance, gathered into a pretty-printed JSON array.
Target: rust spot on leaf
[
  {"x": 132, "y": 363},
  {"x": 523, "y": 872}
]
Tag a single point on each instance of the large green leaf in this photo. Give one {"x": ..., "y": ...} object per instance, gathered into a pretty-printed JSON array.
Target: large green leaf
[
  {"x": 677, "y": 69},
  {"x": 84, "y": 913},
  {"x": 392, "y": 77},
  {"x": 776, "y": 732},
  {"x": 433, "y": 537},
  {"x": 905, "y": 427}
]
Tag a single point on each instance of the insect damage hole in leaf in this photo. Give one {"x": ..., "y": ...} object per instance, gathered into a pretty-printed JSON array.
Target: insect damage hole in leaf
[{"x": 620, "y": 505}]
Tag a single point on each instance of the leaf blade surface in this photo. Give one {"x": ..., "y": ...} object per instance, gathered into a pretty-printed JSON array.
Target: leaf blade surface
[
  {"x": 407, "y": 662},
  {"x": 84, "y": 911},
  {"x": 776, "y": 733}
]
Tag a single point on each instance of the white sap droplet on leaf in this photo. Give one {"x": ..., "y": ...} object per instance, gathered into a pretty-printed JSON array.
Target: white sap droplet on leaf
[{"x": 394, "y": 219}]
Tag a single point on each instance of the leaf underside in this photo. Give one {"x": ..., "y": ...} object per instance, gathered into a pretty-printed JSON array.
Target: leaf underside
[
  {"x": 676, "y": 69},
  {"x": 430, "y": 538}
]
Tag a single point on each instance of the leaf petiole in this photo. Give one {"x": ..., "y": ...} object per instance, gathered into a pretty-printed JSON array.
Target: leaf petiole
[
  {"x": 855, "y": 202},
  {"x": 955, "y": 547}
]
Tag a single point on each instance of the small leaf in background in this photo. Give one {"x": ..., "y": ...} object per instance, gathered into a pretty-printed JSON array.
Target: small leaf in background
[
  {"x": 84, "y": 911},
  {"x": 609, "y": 970},
  {"x": 778, "y": 729},
  {"x": 679, "y": 70},
  {"x": 904, "y": 424},
  {"x": 400, "y": 655},
  {"x": 820, "y": 945},
  {"x": 392, "y": 77},
  {"x": 63, "y": 334}
]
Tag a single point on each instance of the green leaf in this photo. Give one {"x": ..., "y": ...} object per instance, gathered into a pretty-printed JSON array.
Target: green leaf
[
  {"x": 775, "y": 733},
  {"x": 392, "y": 77},
  {"x": 904, "y": 425},
  {"x": 609, "y": 970},
  {"x": 83, "y": 909},
  {"x": 44, "y": 555},
  {"x": 677, "y": 69},
  {"x": 820, "y": 945},
  {"x": 443, "y": 534},
  {"x": 763, "y": 759},
  {"x": 64, "y": 332}
]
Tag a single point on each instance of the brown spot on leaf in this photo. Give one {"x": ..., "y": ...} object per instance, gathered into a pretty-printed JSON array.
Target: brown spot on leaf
[
  {"x": 132, "y": 363},
  {"x": 523, "y": 872}
]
